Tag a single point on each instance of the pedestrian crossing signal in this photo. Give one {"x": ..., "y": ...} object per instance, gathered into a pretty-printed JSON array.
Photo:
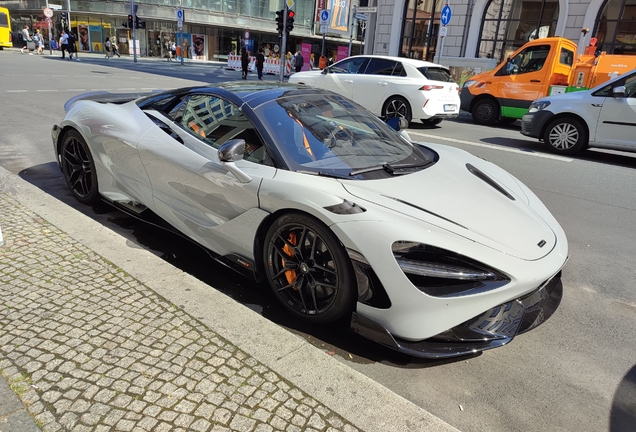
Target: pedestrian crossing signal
[{"x": 130, "y": 21}]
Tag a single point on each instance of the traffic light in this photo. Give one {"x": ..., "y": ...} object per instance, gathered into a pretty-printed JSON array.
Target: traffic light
[
  {"x": 138, "y": 23},
  {"x": 64, "y": 16},
  {"x": 130, "y": 21},
  {"x": 279, "y": 21},
  {"x": 290, "y": 20}
]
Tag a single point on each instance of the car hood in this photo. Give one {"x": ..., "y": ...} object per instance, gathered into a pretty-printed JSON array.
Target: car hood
[
  {"x": 483, "y": 203},
  {"x": 313, "y": 74}
]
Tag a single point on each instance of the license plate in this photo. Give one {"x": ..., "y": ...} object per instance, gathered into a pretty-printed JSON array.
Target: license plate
[{"x": 450, "y": 108}]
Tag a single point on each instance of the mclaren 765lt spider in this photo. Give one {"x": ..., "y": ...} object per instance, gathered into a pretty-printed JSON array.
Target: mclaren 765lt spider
[{"x": 425, "y": 248}]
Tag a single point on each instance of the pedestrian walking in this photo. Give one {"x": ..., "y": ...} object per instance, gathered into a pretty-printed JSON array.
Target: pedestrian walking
[
  {"x": 107, "y": 48},
  {"x": 172, "y": 50},
  {"x": 72, "y": 39},
  {"x": 260, "y": 62},
  {"x": 64, "y": 42},
  {"x": 245, "y": 61},
  {"x": 39, "y": 42},
  {"x": 300, "y": 61},
  {"x": 26, "y": 38},
  {"x": 114, "y": 46}
]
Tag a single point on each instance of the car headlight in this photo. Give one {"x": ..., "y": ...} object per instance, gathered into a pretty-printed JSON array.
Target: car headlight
[
  {"x": 441, "y": 273},
  {"x": 538, "y": 106},
  {"x": 469, "y": 83}
]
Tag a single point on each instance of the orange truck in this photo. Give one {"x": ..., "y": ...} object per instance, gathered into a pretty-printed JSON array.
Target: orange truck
[{"x": 540, "y": 68}]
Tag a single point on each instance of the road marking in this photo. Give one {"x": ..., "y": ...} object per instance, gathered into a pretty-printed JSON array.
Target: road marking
[
  {"x": 17, "y": 91},
  {"x": 47, "y": 90},
  {"x": 494, "y": 147},
  {"x": 127, "y": 89},
  {"x": 101, "y": 89},
  {"x": 52, "y": 76},
  {"x": 75, "y": 89}
]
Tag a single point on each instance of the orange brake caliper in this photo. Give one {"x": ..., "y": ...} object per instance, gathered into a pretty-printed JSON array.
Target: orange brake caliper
[{"x": 290, "y": 274}]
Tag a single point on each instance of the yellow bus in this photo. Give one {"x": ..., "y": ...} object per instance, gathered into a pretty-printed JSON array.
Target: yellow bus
[{"x": 5, "y": 28}]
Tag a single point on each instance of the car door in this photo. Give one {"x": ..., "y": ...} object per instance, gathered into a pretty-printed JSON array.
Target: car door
[
  {"x": 523, "y": 78},
  {"x": 340, "y": 77},
  {"x": 371, "y": 87},
  {"x": 191, "y": 189},
  {"x": 617, "y": 121}
]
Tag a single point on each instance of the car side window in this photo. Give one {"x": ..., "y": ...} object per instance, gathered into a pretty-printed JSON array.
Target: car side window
[
  {"x": 530, "y": 59},
  {"x": 351, "y": 65},
  {"x": 215, "y": 121},
  {"x": 399, "y": 70},
  {"x": 379, "y": 66},
  {"x": 630, "y": 87},
  {"x": 566, "y": 57}
]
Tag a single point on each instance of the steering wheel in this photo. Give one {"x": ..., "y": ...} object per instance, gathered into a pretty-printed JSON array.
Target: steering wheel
[{"x": 331, "y": 139}]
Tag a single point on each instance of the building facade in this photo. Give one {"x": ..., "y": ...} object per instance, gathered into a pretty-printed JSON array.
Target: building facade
[{"x": 493, "y": 29}]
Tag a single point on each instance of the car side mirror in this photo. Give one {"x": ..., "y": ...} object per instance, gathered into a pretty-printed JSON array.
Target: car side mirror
[
  {"x": 325, "y": 71},
  {"x": 230, "y": 152},
  {"x": 619, "y": 91}
]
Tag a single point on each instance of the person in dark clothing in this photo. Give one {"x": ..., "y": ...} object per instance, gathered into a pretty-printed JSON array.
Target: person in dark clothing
[
  {"x": 245, "y": 61},
  {"x": 260, "y": 62},
  {"x": 300, "y": 61}
]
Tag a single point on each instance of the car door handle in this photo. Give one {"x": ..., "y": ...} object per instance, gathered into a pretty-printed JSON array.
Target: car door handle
[
  {"x": 597, "y": 105},
  {"x": 535, "y": 80},
  {"x": 349, "y": 81}
]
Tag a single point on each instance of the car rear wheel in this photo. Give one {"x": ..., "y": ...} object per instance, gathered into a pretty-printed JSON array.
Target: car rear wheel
[
  {"x": 432, "y": 122},
  {"x": 308, "y": 269},
  {"x": 485, "y": 112},
  {"x": 397, "y": 106},
  {"x": 78, "y": 168},
  {"x": 565, "y": 136}
]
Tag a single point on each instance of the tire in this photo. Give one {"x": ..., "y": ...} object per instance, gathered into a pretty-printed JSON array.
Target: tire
[
  {"x": 78, "y": 168},
  {"x": 565, "y": 135},
  {"x": 432, "y": 122},
  {"x": 485, "y": 112},
  {"x": 397, "y": 106},
  {"x": 308, "y": 269}
]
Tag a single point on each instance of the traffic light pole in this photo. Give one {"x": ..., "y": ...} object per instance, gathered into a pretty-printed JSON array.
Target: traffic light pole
[
  {"x": 283, "y": 48},
  {"x": 68, "y": 7},
  {"x": 134, "y": 34}
]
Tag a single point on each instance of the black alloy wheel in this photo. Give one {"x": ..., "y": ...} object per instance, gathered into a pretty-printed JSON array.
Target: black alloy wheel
[
  {"x": 397, "y": 106},
  {"x": 308, "y": 269},
  {"x": 485, "y": 112},
  {"x": 78, "y": 168}
]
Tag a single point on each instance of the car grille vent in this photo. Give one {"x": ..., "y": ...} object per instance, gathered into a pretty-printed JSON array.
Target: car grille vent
[
  {"x": 425, "y": 211},
  {"x": 480, "y": 174}
]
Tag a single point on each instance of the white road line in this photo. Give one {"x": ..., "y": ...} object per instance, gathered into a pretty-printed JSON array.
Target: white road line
[
  {"x": 17, "y": 91},
  {"x": 101, "y": 89},
  {"x": 494, "y": 147},
  {"x": 53, "y": 76},
  {"x": 48, "y": 90},
  {"x": 127, "y": 89},
  {"x": 75, "y": 89}
]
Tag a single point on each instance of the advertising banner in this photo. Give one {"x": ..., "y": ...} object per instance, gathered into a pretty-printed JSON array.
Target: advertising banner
[
  {"x": 198, "y": 47},
  {"x": 305, "y": 51},
  {"x": 84, "y": 42},
  {"x": 339, "y": 14},
  {"x": 343, "y": 52}
]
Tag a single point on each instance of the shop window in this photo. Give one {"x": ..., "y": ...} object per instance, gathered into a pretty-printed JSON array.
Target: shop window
[
  {"x": 508, "y": 24},
  {"x": 421, "y": 25},
  {"x": 616, "y": 27}
]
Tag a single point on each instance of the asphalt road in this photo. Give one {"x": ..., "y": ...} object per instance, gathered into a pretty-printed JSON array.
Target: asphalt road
[{"x": 576, "y": 372}]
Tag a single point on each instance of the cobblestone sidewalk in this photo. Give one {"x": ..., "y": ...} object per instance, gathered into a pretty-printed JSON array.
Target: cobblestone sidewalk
[{"x": 87, "y": 347}]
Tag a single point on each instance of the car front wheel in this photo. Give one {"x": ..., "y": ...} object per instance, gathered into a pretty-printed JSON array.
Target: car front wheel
[
  {"x": 397, "y": 106},
  {"x": 78, "y": 168},
  {"x": 485, "y": 112},
  {"x": 565, "y": 136},
  {"x": 308, "y": 269}
]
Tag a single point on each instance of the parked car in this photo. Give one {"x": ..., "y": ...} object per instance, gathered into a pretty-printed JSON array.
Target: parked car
[
  {"x": 304, "y": 189},
  {"x": 603, "y": 117},
  {"x": 390, "y": 86}
]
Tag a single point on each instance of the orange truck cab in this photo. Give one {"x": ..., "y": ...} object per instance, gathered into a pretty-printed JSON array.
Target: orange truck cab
[{"x": 540, "y": 68}]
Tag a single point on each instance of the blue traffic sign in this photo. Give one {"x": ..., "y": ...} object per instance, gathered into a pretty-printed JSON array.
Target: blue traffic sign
[
  {"x": 180, "y": 14},
  {"x": 324, "y": 16},
  {"x": 446, "y": 15}
]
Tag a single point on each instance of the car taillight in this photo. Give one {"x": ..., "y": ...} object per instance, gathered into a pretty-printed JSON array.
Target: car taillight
[
  {"x": 431, "y": 87},
  {"x": 10, "y": 37}
]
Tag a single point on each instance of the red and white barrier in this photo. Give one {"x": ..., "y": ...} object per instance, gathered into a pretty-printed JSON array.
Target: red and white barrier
[{"x": 271, "y": 66}]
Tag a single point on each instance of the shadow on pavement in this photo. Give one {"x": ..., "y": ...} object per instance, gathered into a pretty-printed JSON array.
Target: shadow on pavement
[{"x": 623, "y": 415}]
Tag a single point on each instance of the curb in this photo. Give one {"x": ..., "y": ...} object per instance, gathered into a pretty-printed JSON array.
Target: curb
[{"x": 362, "y": 401}]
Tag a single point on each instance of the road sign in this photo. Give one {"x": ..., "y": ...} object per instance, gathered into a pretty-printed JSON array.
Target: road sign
[
  {"x": 323, "y": 28},
  {"x": 55, "y": 7},
  {"x": 361, "y": 16},
  {"x": 290, "y": 3},
  {"x": 48, "y": 12},
  {"x": 365, "y": 9},
  {"x": 442, "y": 31},
  {"x": 324, "y": 16},
  {"x": 180, "y": 17},
  {"x": 446, "y": 15},
  {"x": 247, "y": 35}
]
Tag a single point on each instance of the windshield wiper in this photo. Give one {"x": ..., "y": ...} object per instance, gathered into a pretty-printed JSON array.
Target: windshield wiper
[
  {"x": 322, "y": 174},
  {"x": 386, "y": 167}
]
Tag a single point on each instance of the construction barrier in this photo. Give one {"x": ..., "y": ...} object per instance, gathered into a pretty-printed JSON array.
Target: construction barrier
[{"x": 271, "y": 66}]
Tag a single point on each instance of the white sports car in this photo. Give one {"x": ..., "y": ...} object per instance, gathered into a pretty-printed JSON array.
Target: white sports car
[{"x": 428, "y": 249}]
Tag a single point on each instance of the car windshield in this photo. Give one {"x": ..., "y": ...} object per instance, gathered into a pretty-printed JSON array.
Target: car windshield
[
  {"x": 327, "y": 134},
  {"x": 436, "y": 74}
]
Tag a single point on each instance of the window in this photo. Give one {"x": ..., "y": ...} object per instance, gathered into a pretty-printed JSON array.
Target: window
[
  {"x": 216, "y": 121},
  {"x": 436, "y": 74},
  {"x": 508, "y": 24},
  {"x": 399, "y": 70},
  {"x": 530, "y": 59},
  {"x": 566, "y": 57},
  {"x": 4, "y": 22},
  {"x": 421, "y": 26},
  {"x": 616, "y": 27},
  {"x": 378, "y": 66},
  {"x": 351, "y": 65}
]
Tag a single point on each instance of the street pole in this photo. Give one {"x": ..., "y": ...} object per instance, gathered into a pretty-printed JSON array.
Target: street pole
[
  {"x": 283, "y": 48},
  {"x": 68, "y": 6},
  {"x": 353, "y": 11},
  {"x": 48, "y": 20},
  {"x": 134, "y": 26}
]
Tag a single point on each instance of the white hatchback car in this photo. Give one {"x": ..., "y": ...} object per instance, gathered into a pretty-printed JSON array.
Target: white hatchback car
[
  {"x": 390, "y": 86},
  {"x": 603, "y": 117}
]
